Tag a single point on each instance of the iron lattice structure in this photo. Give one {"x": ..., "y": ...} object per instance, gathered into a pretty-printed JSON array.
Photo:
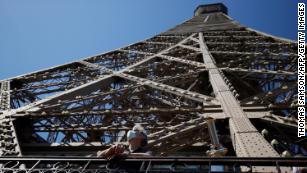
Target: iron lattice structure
[{"x": 209, "y": 80}]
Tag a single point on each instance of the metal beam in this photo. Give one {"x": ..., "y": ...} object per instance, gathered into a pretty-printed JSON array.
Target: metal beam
[
  {"x": 95, "y": 66},
  {"x": 170, "y": 89},
  {"x": 246, "y": 140},
  {"x": 189, "y": 47},
  {"x": 256, "y": 71},
  {"x": 5, "y": 96},
  {"x": 213, "y": 132},
  {"x": 184, "y": 61}
]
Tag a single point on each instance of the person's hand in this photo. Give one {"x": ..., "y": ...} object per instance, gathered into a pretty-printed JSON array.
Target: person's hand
[
  {"x": 109, "y": 152},
  {"x": 118, "y": 149}
]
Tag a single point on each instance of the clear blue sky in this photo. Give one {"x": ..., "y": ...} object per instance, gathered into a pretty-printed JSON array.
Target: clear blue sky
[{"x": 36, "y": 34}]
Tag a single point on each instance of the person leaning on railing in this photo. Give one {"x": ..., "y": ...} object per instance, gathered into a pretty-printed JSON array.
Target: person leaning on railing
[{"x": 137, "y": 142}]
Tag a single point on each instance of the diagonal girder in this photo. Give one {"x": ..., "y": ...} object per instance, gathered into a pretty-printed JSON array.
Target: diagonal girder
[
  {"x": 90, "y": 85},
  {"x": 171, "y": 58},
  {"x": 177, "y": 91}
]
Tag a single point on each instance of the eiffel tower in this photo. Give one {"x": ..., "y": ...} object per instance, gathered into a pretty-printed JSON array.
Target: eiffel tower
[{"x": 209, "y": 81}]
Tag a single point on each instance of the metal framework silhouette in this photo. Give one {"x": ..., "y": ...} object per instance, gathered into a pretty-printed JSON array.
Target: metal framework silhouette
[{"x": 209, "y": 80}]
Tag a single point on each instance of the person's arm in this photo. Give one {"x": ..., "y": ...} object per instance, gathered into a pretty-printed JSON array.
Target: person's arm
[
  {"x": 102, "y": 153},
  {"x": 105, "y": 153},
  {"x": 113, "y": 150}
]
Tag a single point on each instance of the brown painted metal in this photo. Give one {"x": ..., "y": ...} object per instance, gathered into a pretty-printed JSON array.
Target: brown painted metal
[{"x": 173, "y": 84}]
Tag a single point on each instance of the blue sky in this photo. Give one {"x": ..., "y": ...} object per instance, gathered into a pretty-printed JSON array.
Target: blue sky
[{"x": 36, "y": 34}]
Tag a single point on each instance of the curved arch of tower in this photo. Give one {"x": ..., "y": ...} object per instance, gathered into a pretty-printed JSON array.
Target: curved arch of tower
[{"x": 209, "y": 81}]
